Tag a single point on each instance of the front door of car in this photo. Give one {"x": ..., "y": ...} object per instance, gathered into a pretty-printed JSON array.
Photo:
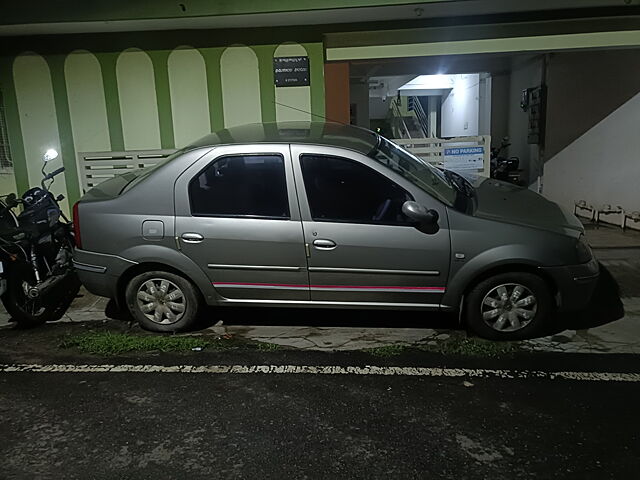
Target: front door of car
[
  {"x": 237, "y": 217},
  {"x": 362, "y": 249}
]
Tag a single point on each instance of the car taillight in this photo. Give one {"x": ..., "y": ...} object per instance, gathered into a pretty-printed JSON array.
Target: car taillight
[{"x": 76, "y": 225}]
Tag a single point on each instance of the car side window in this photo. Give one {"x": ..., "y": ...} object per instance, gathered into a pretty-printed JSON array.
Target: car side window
[
  {"x": 343, "y": 190},
  {"x": 241, "y": 186}
]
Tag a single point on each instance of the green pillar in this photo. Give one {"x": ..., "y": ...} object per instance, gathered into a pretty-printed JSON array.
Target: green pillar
[
  {"x": 112, "y": 99},
  {"x": 14, "y": 130},
  {"x": 267, "y": 85},
  {"x": 316, "y": 65},
  {"x": 159, "y": 60},
  {"x": 214, "y": 86},
  {"x": 63, "y": 118}
]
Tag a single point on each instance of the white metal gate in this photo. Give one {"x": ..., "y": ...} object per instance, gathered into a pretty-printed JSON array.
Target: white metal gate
[
  {"x": 96, "y": 167},
  {"x": 432, "y": 149}
]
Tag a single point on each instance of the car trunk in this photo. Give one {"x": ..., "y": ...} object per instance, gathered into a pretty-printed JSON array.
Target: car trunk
[{"x": 112, "y": 187}]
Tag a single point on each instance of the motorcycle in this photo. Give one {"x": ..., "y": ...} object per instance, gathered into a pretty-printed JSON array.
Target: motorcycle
[
  {"x": 502, "y": 168},
  {"x": 37, "y": 278}
]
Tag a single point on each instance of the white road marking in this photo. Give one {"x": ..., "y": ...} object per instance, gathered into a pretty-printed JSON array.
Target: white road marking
[{"x": 325, "y": 370}]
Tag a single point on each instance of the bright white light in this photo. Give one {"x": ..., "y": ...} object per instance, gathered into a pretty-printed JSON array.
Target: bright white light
[
  {"x": 430, "y": 82},
  {"x": 50, "y": 154}
]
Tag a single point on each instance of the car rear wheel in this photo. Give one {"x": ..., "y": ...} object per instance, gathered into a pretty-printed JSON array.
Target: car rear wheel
[
  {"x": 508, "y": 306},
  {"x": 163, "y": 301}
]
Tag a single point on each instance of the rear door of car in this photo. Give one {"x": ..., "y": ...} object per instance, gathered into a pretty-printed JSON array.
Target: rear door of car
[
  {"x": 362, "y": 249},
  {"x": 237, "y": 216}
]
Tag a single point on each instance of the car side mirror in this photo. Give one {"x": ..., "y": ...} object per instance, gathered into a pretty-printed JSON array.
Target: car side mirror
[{"x": 420, "y": 214}]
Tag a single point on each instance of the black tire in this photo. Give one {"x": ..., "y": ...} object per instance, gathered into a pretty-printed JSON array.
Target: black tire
[
  {"x": 29, "y": 313},
  {"x": 26, "y": 312},
  {"x": 508, "y": 319},
  {"x": 140, "y": 286}
]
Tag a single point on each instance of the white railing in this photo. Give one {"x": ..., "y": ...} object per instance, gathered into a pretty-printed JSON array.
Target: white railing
[
  {"x": 96, "y": 167},
  {"x": 459, "y": 153},
  {"x": 397, "y": 121},
  {"x": 421, "y": 116}
]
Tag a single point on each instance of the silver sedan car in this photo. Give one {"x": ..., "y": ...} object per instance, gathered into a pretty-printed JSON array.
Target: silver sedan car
[{"x": 309, "y": 214}]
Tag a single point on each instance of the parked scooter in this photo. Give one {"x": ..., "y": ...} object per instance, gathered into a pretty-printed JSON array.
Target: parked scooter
[
  {"x": 37, "y": 278},
  {"x": 503, "y": 168}
]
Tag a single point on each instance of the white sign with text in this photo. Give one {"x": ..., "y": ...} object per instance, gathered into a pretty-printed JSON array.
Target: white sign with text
[{"x": 464, "y": 158}]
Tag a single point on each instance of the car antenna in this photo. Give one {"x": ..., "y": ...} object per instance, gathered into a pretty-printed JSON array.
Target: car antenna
[{"x": 312, "y": 114}]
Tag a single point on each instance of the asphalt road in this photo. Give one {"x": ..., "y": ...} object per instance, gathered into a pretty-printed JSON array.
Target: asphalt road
[
  {"x": 207, "y": 426},
  {"x": 193, "y": 426}
]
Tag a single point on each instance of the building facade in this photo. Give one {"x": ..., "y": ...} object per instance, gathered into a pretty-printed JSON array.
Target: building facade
[{"x": 119, "y": 77}]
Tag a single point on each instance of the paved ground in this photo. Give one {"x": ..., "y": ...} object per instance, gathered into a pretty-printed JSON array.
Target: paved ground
[
  {"x": 608, "y": 236},
  {"x": 327, "y": 404},
  {"x": 192, "y": 426}
]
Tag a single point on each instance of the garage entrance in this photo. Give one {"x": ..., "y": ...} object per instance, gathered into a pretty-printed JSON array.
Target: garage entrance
[
  {"x": 558, "y": 111},
  {"x": 465, "y": 97}
]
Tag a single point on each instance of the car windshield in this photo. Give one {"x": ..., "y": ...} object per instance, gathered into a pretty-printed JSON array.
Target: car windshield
[{"x": 416, "y": 170}]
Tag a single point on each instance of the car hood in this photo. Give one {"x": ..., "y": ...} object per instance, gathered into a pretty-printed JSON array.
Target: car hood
[{"x": 505, "y": 202}]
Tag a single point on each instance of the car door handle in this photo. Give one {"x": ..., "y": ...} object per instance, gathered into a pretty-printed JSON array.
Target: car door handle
[
  {"x": 322, "y": 244},
  {"x": 192, "y": 237}
]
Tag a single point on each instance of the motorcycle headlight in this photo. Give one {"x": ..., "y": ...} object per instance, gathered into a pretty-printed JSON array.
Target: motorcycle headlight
[{"x": 583, "y": 250}]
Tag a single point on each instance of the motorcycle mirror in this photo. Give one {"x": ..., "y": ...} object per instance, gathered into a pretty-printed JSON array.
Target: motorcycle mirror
[
  {"x": 11, "y": 201},
  {"x": 49, "y": 155}
]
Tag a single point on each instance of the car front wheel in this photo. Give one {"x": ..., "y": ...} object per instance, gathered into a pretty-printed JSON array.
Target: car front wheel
[
  {"x": 508, "y": 306},
  {"x": 162, "y": 301}
]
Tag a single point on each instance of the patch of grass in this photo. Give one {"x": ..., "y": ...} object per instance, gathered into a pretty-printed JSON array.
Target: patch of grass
[
  {"x": 267, "y": 347},
  {"x": 108, "y": 343},
  {"x": 386, "y": 351},
  {"x": 472, "y": 347}
]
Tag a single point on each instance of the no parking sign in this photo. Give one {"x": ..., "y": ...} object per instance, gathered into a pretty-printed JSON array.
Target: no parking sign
[{"x": 464, "y": 158}]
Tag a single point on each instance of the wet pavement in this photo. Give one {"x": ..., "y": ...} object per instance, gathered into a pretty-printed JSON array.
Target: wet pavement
[
  {"x": 609, "y": 236},
  {"x": 180, "y": 426},
  {"x": 345, "y": 394}
]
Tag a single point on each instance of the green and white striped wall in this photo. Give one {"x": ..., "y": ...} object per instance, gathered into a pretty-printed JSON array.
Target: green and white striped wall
[{"x": 142, "y": 100}]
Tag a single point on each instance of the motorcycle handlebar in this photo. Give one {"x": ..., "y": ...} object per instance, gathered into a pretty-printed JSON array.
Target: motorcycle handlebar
[
  {"x": 10, "y": 202},
  {"x": 49, "y": 176}
]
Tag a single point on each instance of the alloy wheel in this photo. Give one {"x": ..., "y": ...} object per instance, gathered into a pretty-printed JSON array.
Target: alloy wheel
[
  {"x": 161, "y": 301},
  {"x": 509, "y": 307}
]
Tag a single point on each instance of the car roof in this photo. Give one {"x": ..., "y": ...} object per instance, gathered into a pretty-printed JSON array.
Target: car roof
[{"x": 317, "y": 133}]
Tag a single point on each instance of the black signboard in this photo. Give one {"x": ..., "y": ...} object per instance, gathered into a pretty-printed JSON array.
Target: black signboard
[{"x": 291, "y": 71}]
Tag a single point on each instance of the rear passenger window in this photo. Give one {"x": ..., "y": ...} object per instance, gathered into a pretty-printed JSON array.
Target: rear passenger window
[
  {"x": 342, "y": 190},
  {"x": 241, "y": 186}
]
